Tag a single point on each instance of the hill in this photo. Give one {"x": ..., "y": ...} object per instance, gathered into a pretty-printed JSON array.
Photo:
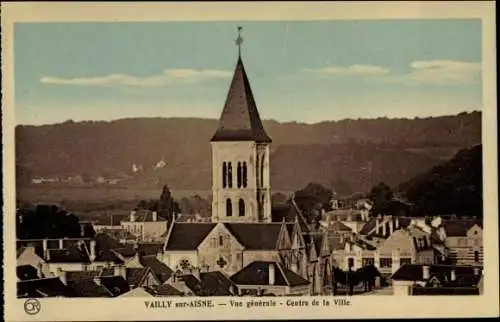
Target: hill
[
  {"x": 454, "y": 187},
  {"x": 334, "y": 153}
]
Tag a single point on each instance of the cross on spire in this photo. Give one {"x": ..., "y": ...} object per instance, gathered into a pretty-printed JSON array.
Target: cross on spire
[{"x": 239, "y": 40}]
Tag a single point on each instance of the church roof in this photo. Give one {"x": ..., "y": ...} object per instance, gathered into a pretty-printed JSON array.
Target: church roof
[
  {"x": 188, "y": 236},
  {"x": 256, "y": 236},
  {"x": 240, "y": 120}
]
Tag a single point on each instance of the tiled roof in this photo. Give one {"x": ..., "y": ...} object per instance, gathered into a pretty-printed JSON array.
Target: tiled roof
[
  {"x": 240, "y": 120},
  {"x": 414, "y": 272},
  {"x": 135, "y": 275},
  {"x": 150, "y": 248},
  {"x": 216, "y": 284},
  {"x": 44, "y": 287},
  {"x": 78, "y": 276},
  {"x": 69, "y": 255},
  {"x": 117, "y": 285},
  {"x": 165, "y": 290},
  {"x": 187, "y": 236},
  {"x": 458, "y": 227},
  {"x": 159, "y": 269},
  {"x": 105, "y": 241},
  {"x": 89, "y": 288},
  {"x": 255, "y": 236},
  {"x": 27, "y": 272},
  {"x": 257, "y": 273}
]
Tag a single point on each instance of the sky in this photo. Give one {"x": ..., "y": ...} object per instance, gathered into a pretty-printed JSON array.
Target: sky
[{"x": 307, "y": 71}]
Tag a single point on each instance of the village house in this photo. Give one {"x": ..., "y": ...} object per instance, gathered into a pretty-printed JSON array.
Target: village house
[
  {"x": 463, "y": 239},
  {"x": 145, "y": 224},
  {"x": 424, "y": 279}
]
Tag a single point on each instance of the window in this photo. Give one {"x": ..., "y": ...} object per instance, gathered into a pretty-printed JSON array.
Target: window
[
  {"x": 241, "y": 207},
  {"x": 386, "y": 262},
  {"x": 238, "y": 175},
  {"x": 229, "y": 175},
  {"x": 221, "y": 240},
  {"x": 244, "y": 174},
  {"x": 224, "y": 174},
  {"x": 184, "y": 264},
  {"x": 476, "y": 256},
  {"x": 367, "y": 261},
  {"x": 229, "y": 207},
  {"x": 350, "y": 262},
  {"x": 404, "y": 261}
]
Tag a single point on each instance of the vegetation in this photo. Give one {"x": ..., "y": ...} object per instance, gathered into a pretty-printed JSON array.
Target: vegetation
[
  {"x": 49, "y": 221},
  {"x": 349, "y": 155},
  {"x": 312, "y": 199}
]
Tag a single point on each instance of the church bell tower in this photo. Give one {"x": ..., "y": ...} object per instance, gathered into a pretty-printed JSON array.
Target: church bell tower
[{"x": 240, "y": 156}]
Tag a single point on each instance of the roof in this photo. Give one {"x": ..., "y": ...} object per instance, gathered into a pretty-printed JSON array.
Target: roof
[
  {"x": 216, "y": 284},
  {"x": 335, "y": 243},
  {"x": 257, "y": 273},
  {"x": 117, "y": 285},
  {"x": 126, "y": 251},
  {"x": 240, "y": 120},
  {"x": 68, "y": 255},
  {"x": 187, "y": 236},
  {"x": 106, "y": 241},
  {"x": 255, "y": 236},
  {"x": 43, "y": 287},
  {"x": 146, "y": 215},
  {"x": 150, "y": 248},
  {"x": 89, "y": 288},
  {"x": 165, "y": 290},
  {"x": 159, "y": 269},
  {"x": 414, "y": 272},
  {"x": 27, "y": 272},
  {"x": 78, "y": 276},
  {"x": 459, "y": 227},
  {"x": 371, "y": 225},
  {"x": 135, "y": 275}
]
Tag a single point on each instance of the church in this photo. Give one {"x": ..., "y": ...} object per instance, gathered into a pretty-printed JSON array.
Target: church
[{"x": 246, "y": 240}]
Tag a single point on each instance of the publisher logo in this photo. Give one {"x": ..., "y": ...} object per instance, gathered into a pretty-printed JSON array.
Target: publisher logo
[{"x": 32, "y": 306}]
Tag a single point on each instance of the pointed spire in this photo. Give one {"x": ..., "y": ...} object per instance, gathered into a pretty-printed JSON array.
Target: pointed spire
[{"x": 240, "y": 119}]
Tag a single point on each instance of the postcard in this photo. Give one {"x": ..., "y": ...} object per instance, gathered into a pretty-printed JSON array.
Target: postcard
[{"x": 180, "y": 161}]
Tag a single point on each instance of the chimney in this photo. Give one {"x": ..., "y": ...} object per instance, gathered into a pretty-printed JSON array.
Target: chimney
[
  {"x": 391, "y": 226},
  {"x": 377, "y": 225},
  {"x": 92, "y": 250},
  {"x": 476, "y": 271},
  {"x": 426, "y": 272},
  {"x": 155, "y": 216},
  {"x": 62, "y": 276},
  {"x": 61, "y": 244},
  {"x": 132, "y": 215},
  {"x": 384, "y": 228},
  {"x": 97, "y": 280},
  {"x": 396, "y": 223},
  {"x": 271, "y": 274},
  {"x": 45, "y": 243},
  {"x": 453, "y": 275}
]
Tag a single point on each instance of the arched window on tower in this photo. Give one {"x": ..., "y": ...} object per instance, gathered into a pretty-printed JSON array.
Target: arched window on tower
[
  {"x": 257, "y": 167},
  {"x": 229, "y": 175},
  {"x": 241, "y": 208},
  {"x": 224, "y": 174},
  {"x": 262, "y": 171},
  {"x": 244, "y": 175},
  {"x": 229, "y": 207},
  {"x": 238, "y": 175}
]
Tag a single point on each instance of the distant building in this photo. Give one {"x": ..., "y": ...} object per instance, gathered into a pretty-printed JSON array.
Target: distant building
[{"x": 145, "y": 224}]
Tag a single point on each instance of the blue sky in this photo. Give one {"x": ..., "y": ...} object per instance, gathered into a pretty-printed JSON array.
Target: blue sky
[{"x": 299, "y": 71}]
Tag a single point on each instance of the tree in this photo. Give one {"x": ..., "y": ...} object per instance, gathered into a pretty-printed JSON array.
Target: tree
[
  {"x": 381, "y": 195},
  {"x": 167, "y": 207},
  {"x": 312, "y": 199},
  {"x": 47, "y": 221}
]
